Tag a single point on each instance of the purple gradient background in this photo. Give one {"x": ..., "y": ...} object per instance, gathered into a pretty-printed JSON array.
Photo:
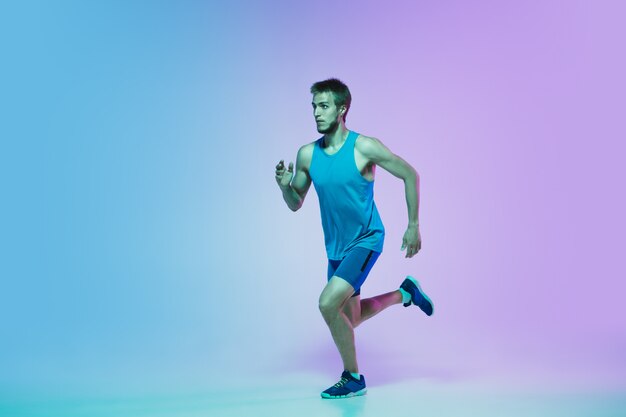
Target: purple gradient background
[{"x": 146, "y": 245}]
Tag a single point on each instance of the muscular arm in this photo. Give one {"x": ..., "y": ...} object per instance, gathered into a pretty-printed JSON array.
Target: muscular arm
[
  {"x": 295, "y": 191},
  {"x": 376, "y": 152}
]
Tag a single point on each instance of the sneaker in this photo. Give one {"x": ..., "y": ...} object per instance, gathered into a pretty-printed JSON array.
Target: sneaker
[
  {"x": 418, "y": 297},
  {"x": 348, "y": 386}
]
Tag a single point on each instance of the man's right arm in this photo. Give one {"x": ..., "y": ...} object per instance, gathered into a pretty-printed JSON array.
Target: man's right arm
[{"x": 295, "y": 186}]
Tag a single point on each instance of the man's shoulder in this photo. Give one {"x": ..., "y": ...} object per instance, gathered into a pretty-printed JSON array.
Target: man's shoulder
[
  {"x": 307, "y": 149},
  {"x": 364, "y": 139},
  {"x": 366, "y": 144},
  {"x": 305, "y": 153},
  {"x": 308, "y": 146}
]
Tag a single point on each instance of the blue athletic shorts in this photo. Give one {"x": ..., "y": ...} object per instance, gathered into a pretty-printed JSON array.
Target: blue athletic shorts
[{"x": 354, "y": 267}]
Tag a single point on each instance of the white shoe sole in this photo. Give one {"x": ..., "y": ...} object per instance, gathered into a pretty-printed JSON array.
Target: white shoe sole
[{"x": 352, "y": 394}]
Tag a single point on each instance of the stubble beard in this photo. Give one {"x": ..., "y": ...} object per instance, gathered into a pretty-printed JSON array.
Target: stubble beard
[{"x": 330, "y": 129}]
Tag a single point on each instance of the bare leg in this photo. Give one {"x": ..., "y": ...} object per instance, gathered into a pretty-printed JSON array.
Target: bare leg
[
  {"x": 331, "y": 304},
  {"x": 372, "y": 306},
  {"x": 358, "y": 310}
]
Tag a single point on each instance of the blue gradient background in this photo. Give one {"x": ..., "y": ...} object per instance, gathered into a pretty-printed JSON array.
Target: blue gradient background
[{"x": 144, "y": 243}]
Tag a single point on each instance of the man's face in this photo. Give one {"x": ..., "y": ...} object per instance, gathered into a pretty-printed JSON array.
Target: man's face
[{"x": 326, "y": 113}]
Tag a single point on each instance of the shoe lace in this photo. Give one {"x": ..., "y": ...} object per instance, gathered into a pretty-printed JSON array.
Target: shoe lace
[{"x": 343, "y": 381}]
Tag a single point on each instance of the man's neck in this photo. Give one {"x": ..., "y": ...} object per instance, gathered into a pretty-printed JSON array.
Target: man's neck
[{"x": 335, "y": 139}]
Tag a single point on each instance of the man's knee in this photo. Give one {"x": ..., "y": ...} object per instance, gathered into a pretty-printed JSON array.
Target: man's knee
[
  {"x": 328, "y": 307},
  {"x": 334, "y": 297}
]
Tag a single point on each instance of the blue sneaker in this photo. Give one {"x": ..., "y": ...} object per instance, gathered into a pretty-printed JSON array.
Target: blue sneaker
[
  {"x": 348, "y": 386},
  {"x": 418, "y": 297}
]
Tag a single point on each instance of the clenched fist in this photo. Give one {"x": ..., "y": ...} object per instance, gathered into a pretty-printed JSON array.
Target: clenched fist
[{"x": 283, "y": 178}]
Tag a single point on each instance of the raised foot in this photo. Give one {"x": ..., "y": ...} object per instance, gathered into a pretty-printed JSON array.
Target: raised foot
[{"x": 418, "y": 297}]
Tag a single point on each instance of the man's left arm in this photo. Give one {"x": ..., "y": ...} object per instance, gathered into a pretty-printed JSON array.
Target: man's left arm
[{"x": 375, "y": 151}]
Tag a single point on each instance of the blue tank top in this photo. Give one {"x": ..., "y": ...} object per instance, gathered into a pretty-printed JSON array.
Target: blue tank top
[{"x": 349, "y": 214}]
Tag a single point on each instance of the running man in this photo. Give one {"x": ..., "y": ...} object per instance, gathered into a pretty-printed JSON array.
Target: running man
[{"x": 341, "y": 165}]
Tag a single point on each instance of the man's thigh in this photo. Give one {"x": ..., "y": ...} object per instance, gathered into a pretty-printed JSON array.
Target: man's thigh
[{"x": 354, "y": 268}]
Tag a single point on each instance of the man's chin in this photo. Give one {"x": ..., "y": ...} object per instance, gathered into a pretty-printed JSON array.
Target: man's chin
[{"x": 329, "y": 129}]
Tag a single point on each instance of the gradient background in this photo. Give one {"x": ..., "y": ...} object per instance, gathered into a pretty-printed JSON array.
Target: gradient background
[{"x": 144, "y": 244}]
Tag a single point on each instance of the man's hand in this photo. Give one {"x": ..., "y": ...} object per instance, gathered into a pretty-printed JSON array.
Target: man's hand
[
  {"x": 283, "y": 178},
  {"x": 412, "y": 241}
]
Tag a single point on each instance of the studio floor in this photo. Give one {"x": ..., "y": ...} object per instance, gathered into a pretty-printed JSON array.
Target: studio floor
[{"x": 298, "y": 395}]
